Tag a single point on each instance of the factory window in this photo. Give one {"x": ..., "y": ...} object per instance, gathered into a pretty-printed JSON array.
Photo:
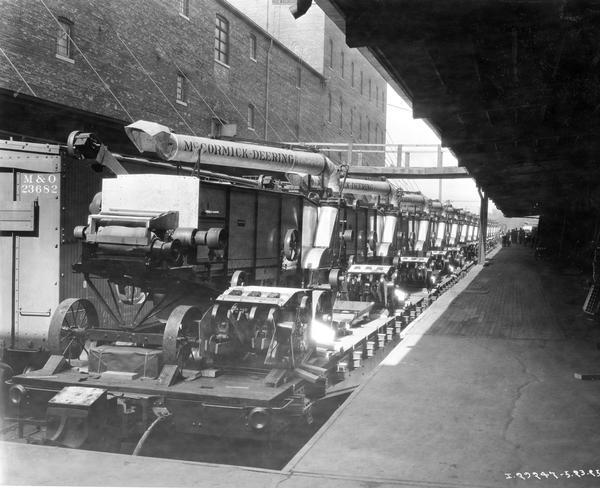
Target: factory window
[
  {"x": 360, "y": 126},
  {"x": 216, "y": 127},
  {"x": 361, "y": 83},
  {"x": 351, "y": 120},
  {"x": 181, "y": 89},
  {"x": 370, "y": 90},
  {"x": 253, "y": 47},
  {"x": 341, "y": 112},
  {"x": 330, "y": 53},
  {"x": 63, "y": 38},
  {"x": 330, "y": 103},
  {"x": 382, "y": 98},
  {"x": 251, "y": 116},
  {"x": 376, "y": 96},
  {"x": 342, "y": 62},
  {"x": 222, "y": 40},
  {"x": 352, "y": 74},
  {"x": 184, "y": 8},
  {"x": 368, "y": 131},
  {"x": 376, "y": 133},
  {"x": 298, "y": 77}
]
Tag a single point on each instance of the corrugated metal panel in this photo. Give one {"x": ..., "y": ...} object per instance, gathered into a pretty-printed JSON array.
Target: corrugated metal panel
[{"x": 79, "y": 185}]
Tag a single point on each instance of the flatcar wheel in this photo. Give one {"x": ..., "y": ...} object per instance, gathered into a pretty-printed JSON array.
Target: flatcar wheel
[
  {"x": 66, "y": 334},
  {"x": 181, "y": 334}
]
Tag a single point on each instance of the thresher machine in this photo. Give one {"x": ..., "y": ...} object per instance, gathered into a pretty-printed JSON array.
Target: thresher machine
[{"x": 220, "y": 305}]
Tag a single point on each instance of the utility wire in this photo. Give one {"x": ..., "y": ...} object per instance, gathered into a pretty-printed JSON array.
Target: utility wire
[
  {"x": 18, "y": 72},
  {"x": 203, "y": 99},
  {"x": 155, "y": 84},
  {"x": 183, "y": 73},
  {"x": 86, "y": 60}
]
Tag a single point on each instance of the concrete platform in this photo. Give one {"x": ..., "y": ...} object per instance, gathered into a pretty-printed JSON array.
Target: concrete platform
[{"x": 480, "y": 393}]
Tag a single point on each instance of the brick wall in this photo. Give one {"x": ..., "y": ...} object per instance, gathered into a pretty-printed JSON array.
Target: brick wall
[
  {"x": 127, "y": 55},
  {"x": 309, "y": 38},
  {"x": 369, "y": 111},
  {"x": 123, "y": 40}
]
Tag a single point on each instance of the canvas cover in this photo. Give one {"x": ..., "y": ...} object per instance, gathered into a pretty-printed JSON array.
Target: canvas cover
[{"x": 146, "y": 363}]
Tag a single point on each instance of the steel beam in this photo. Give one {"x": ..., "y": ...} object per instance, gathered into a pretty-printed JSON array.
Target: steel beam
[{"x": 447, "y": 172}]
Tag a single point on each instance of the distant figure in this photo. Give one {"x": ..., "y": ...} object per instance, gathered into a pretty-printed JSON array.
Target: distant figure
[{"x": 533, "y": 237}]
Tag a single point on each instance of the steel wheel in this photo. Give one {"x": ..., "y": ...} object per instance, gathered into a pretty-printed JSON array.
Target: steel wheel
[
  {"x": 181, "y": 334},
  {"x": 66, "y": 334}
]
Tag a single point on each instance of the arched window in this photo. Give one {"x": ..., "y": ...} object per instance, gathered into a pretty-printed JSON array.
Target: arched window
[{"x": 63, "y": 38}]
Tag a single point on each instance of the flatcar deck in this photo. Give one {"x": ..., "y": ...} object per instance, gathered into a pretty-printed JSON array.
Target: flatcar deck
[
  {"x": 240, "y": 385},
  {"x": 445, "y": 409},
  {"x": 232, "y": 385}
]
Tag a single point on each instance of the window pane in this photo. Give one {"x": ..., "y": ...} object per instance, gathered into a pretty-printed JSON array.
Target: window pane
[
  {"x": 250, "y": 116},
  {"x": 222, "y": 39},
  {"x": 180, "y": 88},
  {"x": 184, "y": 7},
  {"x": 63, "y": 43}
]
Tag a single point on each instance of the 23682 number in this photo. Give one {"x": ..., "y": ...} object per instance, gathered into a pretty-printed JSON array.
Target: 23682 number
[{"x": 31, "y": 188}]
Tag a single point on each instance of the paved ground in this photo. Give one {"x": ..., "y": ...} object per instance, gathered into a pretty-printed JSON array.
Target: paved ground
[{"x": 473, "y": 396}]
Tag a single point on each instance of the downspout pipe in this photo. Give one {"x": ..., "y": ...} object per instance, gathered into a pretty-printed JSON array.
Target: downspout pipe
[{"x": 267, "y": 83}]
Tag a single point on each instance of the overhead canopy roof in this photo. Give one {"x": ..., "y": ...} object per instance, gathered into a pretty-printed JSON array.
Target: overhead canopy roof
[{"x": 511, "y": 86}]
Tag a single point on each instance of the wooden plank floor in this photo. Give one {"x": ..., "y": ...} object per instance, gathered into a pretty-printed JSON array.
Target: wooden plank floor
[{"x": 522, "y": 304}]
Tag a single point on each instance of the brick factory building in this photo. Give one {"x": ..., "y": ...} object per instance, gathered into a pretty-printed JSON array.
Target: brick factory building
[{"x": 197, "y": 66}]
